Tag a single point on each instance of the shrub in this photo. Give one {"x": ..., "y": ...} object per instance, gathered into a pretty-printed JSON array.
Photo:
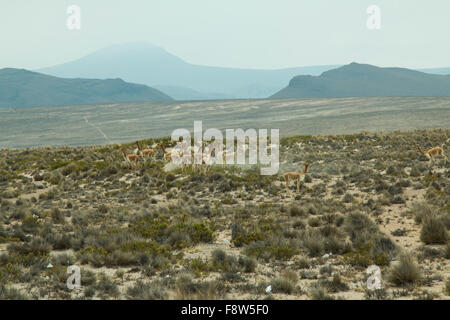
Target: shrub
[
  {"x": 201, "y": 233},
  {"x": 296, "y": 211},
  {"x": 314, "y": 222},
  {"x": 64, "y": 259},
  {"x": 57, "y": 216},
  {"x": 347, "y": 198},
  {"x": 433, "y": 231},
  {"x": 368, "y": 255},
  {"x": 405, "y": 271},
  {"x": 358, "y": 226},
  {"x": 447, "y": 287},
  {"x": 313, "y": 242},
  {"x": 335, "y": 285},
  {"x": 187, "y": 289},
  {"x": 147, "y": 291},
  {"x": 398, "y": 199},
  {"x": 11, "y": 294},
  {"x": 415, "y": 172},
  {"x": 376, "y": 294},
  {"x": 282, "y": 285},
  {"x": 303, "y": 263},
  {"x": 274, "y": 247},
  {"x": 420, "y": 211},
  {"x": 240, "y": 237},
  {"x": 319, "y": 293},
  {"x": 447, "y": 251},
  {"x": 106, "y": 287}
]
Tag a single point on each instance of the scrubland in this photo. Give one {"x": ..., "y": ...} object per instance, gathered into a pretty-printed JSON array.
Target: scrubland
[{"x": 148, "y": 233}]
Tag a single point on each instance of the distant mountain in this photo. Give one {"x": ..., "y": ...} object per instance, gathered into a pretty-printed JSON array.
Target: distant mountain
[
  {"x": 363, "y": 80},
  {"x": 22, "y": 88},
  {"x": 436, "y": 70},
  {"x": 154, "y": 66}
]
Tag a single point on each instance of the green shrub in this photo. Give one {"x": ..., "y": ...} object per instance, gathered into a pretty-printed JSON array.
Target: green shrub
[
  {"x": 201, "y": 233},
  {"x": 240, "y": 237}
]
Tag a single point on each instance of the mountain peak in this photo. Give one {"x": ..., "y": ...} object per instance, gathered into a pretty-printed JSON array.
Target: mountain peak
[{"x": 354, "y": 66}]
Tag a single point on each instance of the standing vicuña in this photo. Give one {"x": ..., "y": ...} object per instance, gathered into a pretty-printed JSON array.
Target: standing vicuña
[
  {"x": 130, "y": 158},
  {"x": 295, "y": 175}
]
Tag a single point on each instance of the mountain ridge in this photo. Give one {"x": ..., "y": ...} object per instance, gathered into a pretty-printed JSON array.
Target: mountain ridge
[
  {"x": 23, "y": 88},
  {"x": 364, "y": 80}
]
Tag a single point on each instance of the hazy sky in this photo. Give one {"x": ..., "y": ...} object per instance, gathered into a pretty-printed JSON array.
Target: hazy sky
[{"x": 231, "y": 33}]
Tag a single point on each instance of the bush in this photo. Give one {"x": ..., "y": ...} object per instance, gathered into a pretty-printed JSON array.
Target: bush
[
  {"x": 313, "y": 242},
  {"x": 240, "y": 236},
  {"x": 433, "y": 231},
  {"x": 57, "y": 216},
  {"x": 347, "y": 198},
  {"x": 282, "y": 285},
  {"x": 274, "y": 247},
  {"x": 420, "y": 211},
  {"x": 11, "y": 294},
  {"x": 296, "y": 211},
  {"x": 201, "y": 233},
  {"x": 227, "y": 263},
  {"x": 358, "y": 226},
  {"x": 447, "y": 288},
  {"x": 405, "y": 271},
  {"x": 336, "y": 284},
  {"x": 147, "y": 291},
  {"x": 447, "y": 251},
  {"x": 187, "y": 289},
  {"x": 319, "y": 293}
]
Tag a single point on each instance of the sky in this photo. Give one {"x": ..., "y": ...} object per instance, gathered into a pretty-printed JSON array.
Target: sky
[{"x": 231, "y": 33}]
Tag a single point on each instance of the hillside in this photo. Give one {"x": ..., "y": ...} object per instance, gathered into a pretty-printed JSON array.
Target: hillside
[
  {"x": 151, "y": 65},
  {"x": 228, "y": 233},
  {"x": 22, "y": 88},
  {"x": 363, "y": 80}
]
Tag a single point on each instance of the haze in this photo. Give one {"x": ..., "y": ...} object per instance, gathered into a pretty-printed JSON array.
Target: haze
[{"x": 246, "y": 34}]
